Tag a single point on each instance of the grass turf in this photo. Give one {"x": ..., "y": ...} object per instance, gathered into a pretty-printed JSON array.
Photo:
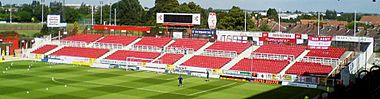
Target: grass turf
[
  {"x": 29, "y": 29},
  {"x": 75, "y": 82}
]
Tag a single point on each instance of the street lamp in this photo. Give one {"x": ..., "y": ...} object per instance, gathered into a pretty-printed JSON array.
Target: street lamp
[
  {"x": 101, "y": 12},
  {"x": 42, "y": 12}
]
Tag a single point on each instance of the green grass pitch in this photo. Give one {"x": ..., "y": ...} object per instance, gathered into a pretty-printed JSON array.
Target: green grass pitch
[{"x": 52, "y": 81}]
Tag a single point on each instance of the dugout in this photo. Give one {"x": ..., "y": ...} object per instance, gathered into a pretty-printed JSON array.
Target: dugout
[{"x": 9, "y": 42}]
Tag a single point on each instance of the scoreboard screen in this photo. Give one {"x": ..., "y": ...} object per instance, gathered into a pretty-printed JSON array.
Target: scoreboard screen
[{"x": 178, "y": 18}]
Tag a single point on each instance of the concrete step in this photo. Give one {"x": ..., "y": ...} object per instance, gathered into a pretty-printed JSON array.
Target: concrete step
[
  {"x": 54, "y": 50},
  {"x": 92, "y": 43},
  {"x": 188, "y": 56},
  {"x": 107, "y": 54},
  {"x": 244, "y": 54},
  {"x": 299, "y": 58}
]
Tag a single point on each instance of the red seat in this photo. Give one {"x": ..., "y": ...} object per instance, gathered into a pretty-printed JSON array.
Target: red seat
[
  {"x": 124, "y": 40},
  {"x": 303, "y": 68},
  {"x": 170, "y": 58},
  {"x": 188, "y": 43},
  {"x": 44, "y": 49},
  {"x": 133, "y": 56},
  {"x": 81, "y": 52},
  {"x": 327, "y": 53},
  {"x": 206, "y": 61},
  {"x": 153, "y": 41},
  {"x": 260, "y": 65},
  {"x": 230, "y": 46},
  {"x": 83, "y": 38},
  {"x": 281, "y": 49}
]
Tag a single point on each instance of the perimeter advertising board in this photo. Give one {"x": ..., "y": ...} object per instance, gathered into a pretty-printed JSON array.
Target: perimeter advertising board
[
  {"x": 281, "y": 37},
  {"x": 319, "y": 42}
]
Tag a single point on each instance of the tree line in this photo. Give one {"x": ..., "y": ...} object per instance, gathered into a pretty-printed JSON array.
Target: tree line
[{"x": 130, "y": 12}]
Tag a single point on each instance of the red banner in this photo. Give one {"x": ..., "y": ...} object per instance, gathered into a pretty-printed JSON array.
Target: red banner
[
  {"x": 280, "y": 37},
  {"x": 319, "y": 42}
]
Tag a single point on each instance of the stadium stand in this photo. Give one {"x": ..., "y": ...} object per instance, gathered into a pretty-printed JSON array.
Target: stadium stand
[
  {"x": 124, "y": 40},
  {"x": 206, "y": 61},
  {"x": 188, "y": 43},
  {"x": 170, "y": 58},
  {"x": 80, "y": 52},
  {"x": 153, "y": 41},
  {"x": 329, "y": 56},
  {"x": 328, "y": 53},
  {"x": 260, "y": 65},
  {"x": 283, "y": 51},
  {"x": 137, "y": 56},
  {"x": 304, "y": 68},
  {"x": 83, "y": 38},
  {"x": 44, "y": 49},
  {"x": 229, "y": 46}
]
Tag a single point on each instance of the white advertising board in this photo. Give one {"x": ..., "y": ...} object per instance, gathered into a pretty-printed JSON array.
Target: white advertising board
[
  {"x": 54, "y": 21},
  {"x": 319, "y": 42}
]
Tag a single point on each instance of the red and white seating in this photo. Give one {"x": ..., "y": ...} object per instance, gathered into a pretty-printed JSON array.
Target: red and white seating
[
  {"x": 229, "y": 46},
  {"x": 169, "y": 58},
  {"x": 124, "y": 55},
  {"x": 153, "y": 41},
  {"x": 188, "y": 44},
  {"x": 83, "y": 38},
  {"x": 335, "y": 53},
  {"x": 80, "y": 52},
  {"x": 206, "y": 61},
  {"x": 260, "y": 65},
  {"x": 304, "y": 68},
  {"x": 278, "y": 52},
  {"x": 124, "y": 40},
  {"x": 44, "y": 49},
  {"x": 329, "y": 56}
]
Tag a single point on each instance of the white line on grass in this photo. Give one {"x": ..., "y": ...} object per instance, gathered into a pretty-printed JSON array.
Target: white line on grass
[
  {"x": 213, "y": 89},
  {"x": 144, "y": 89}
]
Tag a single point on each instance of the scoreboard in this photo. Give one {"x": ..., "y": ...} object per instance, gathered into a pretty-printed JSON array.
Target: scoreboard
[{"x": 179, "y": 18}]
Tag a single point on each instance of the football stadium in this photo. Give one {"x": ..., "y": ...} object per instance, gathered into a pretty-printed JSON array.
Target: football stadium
[{"x": 178, "y": 58}]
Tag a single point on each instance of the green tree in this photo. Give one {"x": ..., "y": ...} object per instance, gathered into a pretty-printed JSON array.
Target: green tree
[
  {"x": 331, "y": 14},
  {"x": 75, "y": 29},
  {"x": 47, "y": 31},
  {"x": 71, "y": 15},
  {"x": 234, "y": 20},
  {"x": 130, "y": 12},
  {"x": 161, "y": 6},
  {"x": 272, "y": 13},
  {"x": 265, "y": 28}
]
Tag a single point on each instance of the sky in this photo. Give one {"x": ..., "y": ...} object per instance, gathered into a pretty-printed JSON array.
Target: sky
[{"x": 363, "y": 6}]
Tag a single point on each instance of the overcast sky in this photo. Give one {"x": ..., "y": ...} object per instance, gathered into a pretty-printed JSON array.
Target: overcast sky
[{"x": 365, "y": 6}]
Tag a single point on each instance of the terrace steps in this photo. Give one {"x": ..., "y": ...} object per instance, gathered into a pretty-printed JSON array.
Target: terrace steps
[
  {"x": 92, "y": 43},
  {"x": 54, "y": 50},
  {"x": 188, "y": 56},
  {"x": 243, "y": 55},
  {"x": 299, "y": 58}
]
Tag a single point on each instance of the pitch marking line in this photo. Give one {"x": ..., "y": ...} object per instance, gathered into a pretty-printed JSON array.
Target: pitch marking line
[
  {"x": 144, "y": 89},
  {"x": 213, "y": 89}
]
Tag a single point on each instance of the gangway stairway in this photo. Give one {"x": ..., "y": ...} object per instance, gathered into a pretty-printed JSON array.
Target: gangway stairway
[
  {"x": 92, "y": 43},
  {"x": 299, "y": 58},
  {"x": 245, "y": 54},
  {"x": 54, "y": 50},
  {"x": 188, "y": 56}
]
